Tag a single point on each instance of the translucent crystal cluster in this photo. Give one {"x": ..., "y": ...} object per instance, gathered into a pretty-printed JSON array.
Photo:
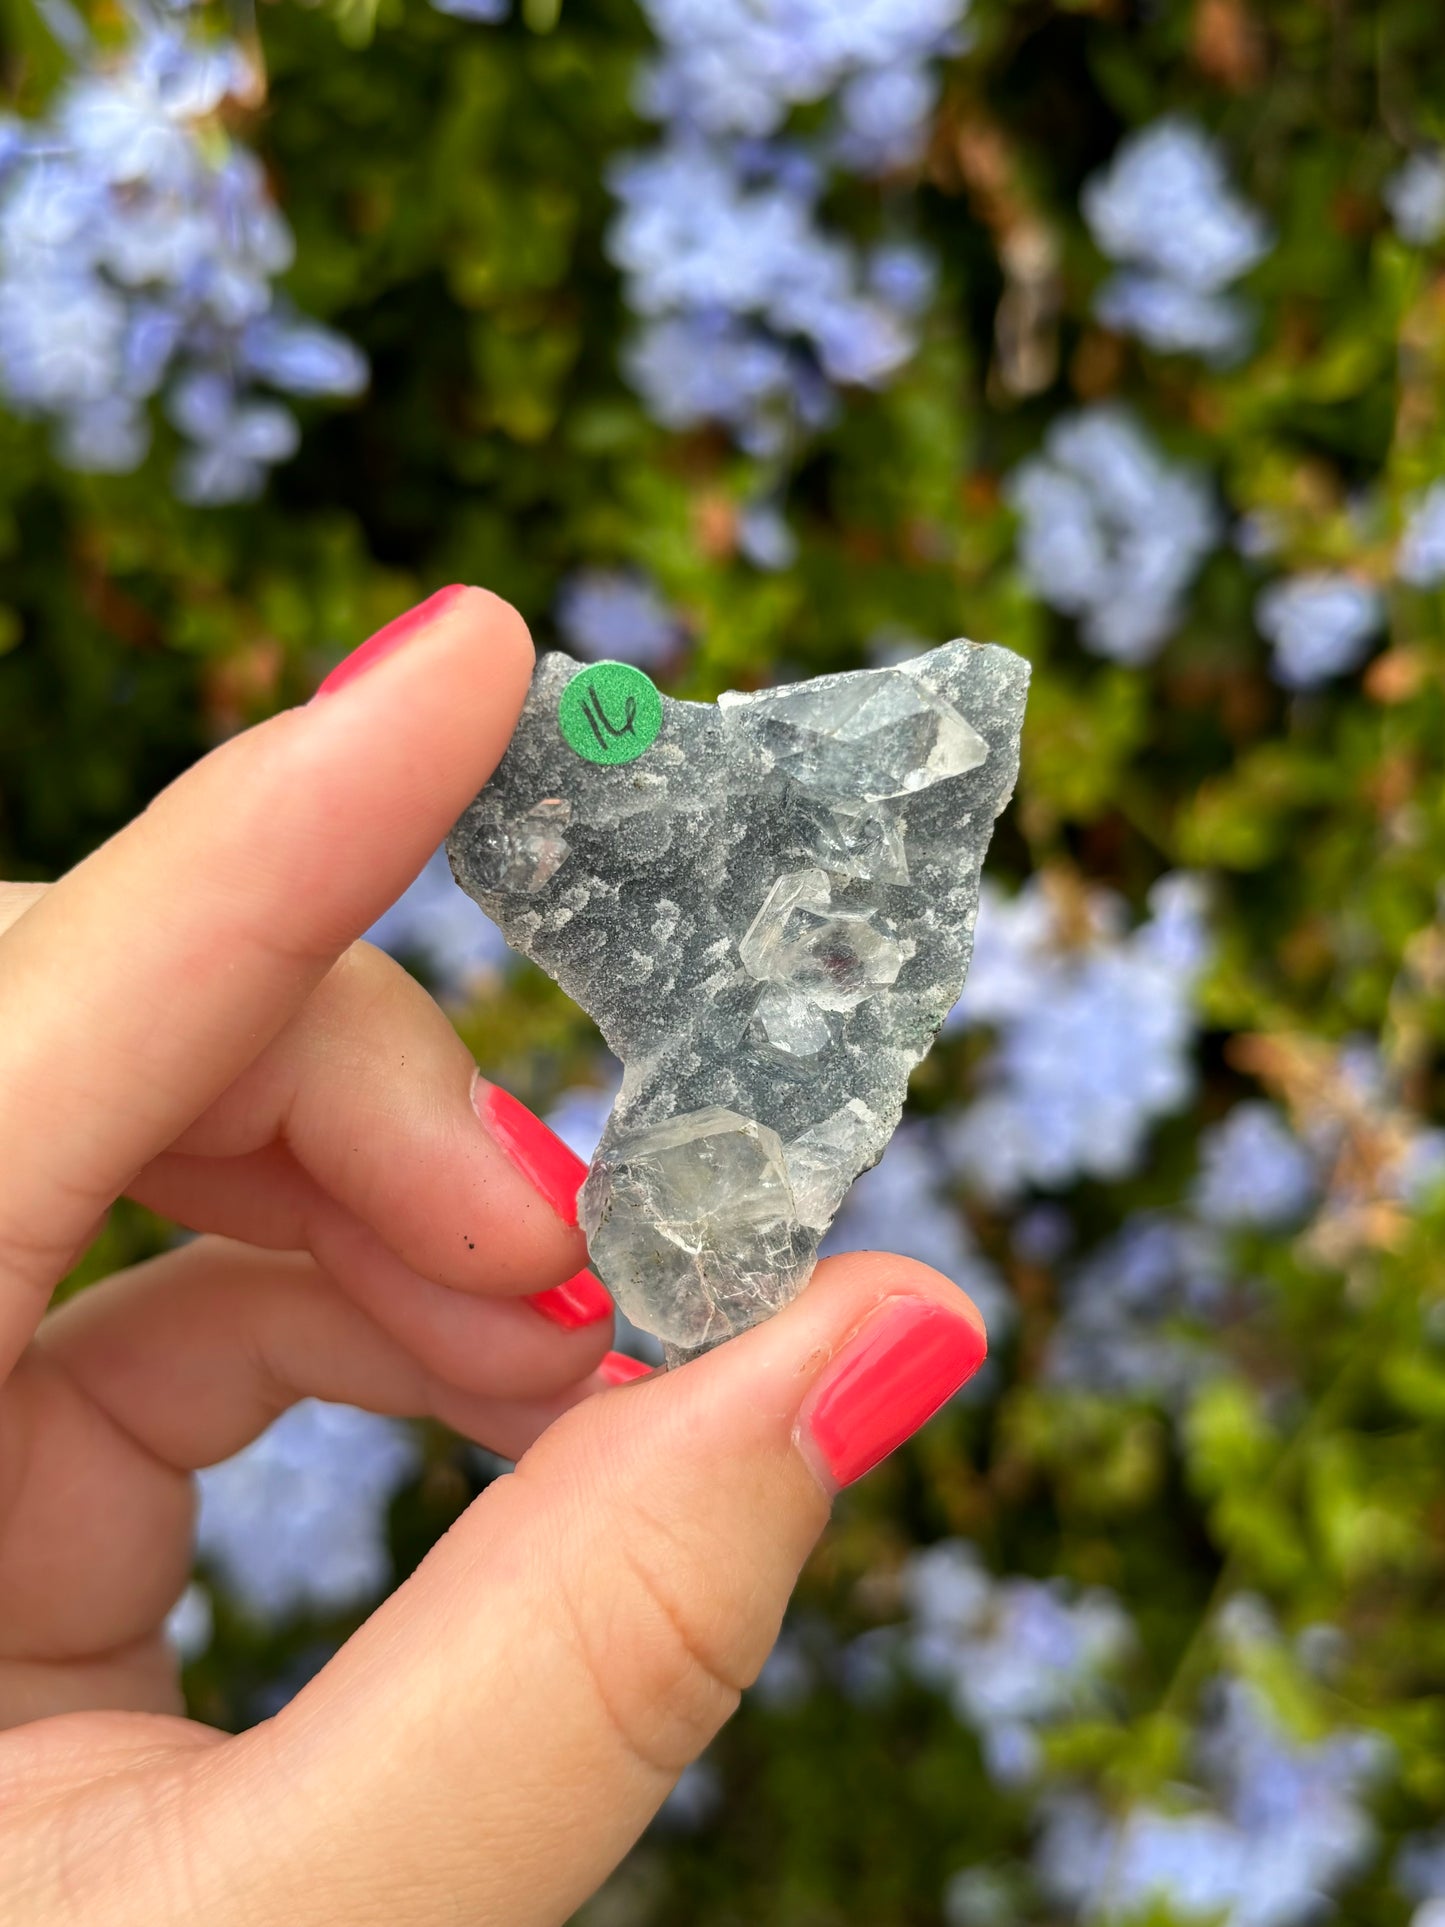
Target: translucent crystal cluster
[
  {"x": 769, "y": 912},
  {"x": 863, "y": 737}
]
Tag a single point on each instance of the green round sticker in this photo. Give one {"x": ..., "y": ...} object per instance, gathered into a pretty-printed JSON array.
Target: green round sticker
[{"x": 610, "y": 712}]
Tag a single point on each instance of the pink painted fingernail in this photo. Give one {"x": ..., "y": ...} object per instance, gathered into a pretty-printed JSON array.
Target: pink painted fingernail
[
  {"x": 539, "y": 1154},
  {"x": 911, "y": 1356},
  {"x": 618, "y": 1369},
  {"x": 386, "y": 640},
  {"x": 579, "y": 1301}
]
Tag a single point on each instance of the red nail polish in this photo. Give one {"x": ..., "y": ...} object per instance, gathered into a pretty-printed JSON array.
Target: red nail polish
[
  {"x": 905, "y": 1362},
  {"x": 580, "y": 1301},
  {"x": 396, "y": 632},
  {"x": 539, "y": 1154},
  {"x": 618, "y": 1369}
]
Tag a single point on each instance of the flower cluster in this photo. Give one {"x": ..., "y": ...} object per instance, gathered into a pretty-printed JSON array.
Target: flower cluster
[
  {"x": 1254, "y": 1172},
  {"x": 138, "y": 248},
  {"x": 1321, "y": 625},
  {"x": 605, "y": 614},
  {"x": 1416, "y": 198},
  {"x": 297, "y": 1521},
  {"x": 1273, "y": 1827},
  {"x": 1421, "y": 560},
  {"x": 1112, "y": 532},
  {"x": 485, "y": 13},
  {"x": 1141, "y": 1314},
  {"x": 752, "y": 313},
  {"x": 1095, "y": 1028},
  {"x": 738, "y": 68},
  {"x": 1164, "y": 208},
  {"x": 1014, "y": 1656}
]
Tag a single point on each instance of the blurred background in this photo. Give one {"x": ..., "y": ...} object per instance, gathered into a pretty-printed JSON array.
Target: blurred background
[{"x": 749, "y": 339}]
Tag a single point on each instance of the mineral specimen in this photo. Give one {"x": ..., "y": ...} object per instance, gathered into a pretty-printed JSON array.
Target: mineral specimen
[{"x": 767, "y": 905}]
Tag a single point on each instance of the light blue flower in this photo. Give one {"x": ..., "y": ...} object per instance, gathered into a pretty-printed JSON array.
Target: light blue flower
[
  {"x": 765, "y": 538},
  {"x": 1276, "y": 1826},
  {"x": 1111, "y": 532},
  {"x": 1165, "y": 210},
  {"x": 1165, "y": 203},
  {"x": 1094, "y": 1035},
  {"x": 1013, "y": 1656},
  {"x": 301, "y": 357},
  {"x": 190, "y": 1623},
  {"x": 138, "y": 245},
  {"x": 1139, "y": 1314},
  {"x": 108, "y": 437},
  {"x": 1254, "y": 1171},
  {"x": 61, "y": 339},
  {"x": 1321, "y": 625},
  {"x": 1416, "y": 198},
  {"x": 692, "y": 369},
  {"x": 904, "y": 275},
  {"x": 885, "y": 115},
  {"x": 1421, "y": 561},
  {"x": 236, "y": 441},
  {"x": 1419, "y": 1873},
  {"x": 693, "y": 235},
  {"x": 740, "y": 66},
  {"x": 607, "y": 613},
  {"x": 1174, "y": 318},
  {"x": 485, "y": 13},
  {"x": 297, "y": 1520},
  {"x": 693, "y": 1801}
]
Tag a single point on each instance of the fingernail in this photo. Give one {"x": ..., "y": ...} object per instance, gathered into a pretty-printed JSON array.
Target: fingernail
[
  {"x": 396, "y": 632},
  {"x": 580, "y": 1301},
  {"x": 618, "y": 1369},
  {"x": 539, "y": 1154},
  {"x": 911, "y": 1356}
]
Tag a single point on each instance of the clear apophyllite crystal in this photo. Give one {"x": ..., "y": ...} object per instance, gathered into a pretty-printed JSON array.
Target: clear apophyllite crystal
[
  {"x": 879, "y": 733},
  {"x": 525, "y": 852},
  {"x": 788, "y": 1023},
  {"x": 768, "y": 908},
  {"x": 862, "y": 840},
  {"x": 704, "y": 1201}
]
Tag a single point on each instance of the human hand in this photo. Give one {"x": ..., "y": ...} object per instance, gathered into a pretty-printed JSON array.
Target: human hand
[{"x": 186, "y": 1018}]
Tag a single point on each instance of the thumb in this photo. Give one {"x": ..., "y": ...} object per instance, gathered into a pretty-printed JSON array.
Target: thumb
[{"x": 495, "y": 1738}]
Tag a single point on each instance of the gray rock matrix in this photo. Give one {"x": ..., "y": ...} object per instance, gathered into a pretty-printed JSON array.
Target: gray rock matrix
[{"x": 768, "y": 914}]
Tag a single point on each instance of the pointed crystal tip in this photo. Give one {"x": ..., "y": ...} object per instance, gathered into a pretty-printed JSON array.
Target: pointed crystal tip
[{"x": 873, "y": 734}]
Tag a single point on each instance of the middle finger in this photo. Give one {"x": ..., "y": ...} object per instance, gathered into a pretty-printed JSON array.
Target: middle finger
[{"x": 369, "y": 1093}]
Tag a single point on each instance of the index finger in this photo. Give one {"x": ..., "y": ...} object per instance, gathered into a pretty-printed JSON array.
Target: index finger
[{"x": 140, "y": 986}]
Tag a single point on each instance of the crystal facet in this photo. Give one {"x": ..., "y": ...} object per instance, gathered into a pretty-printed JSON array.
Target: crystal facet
[
  {"x": 769, "y": 912},
  {"x": 820, "y": 1160},
  {"x": 527, "y": 851},
  {"x": 788, "y": 1023},
  {"x": 863, "y": 840},
  {"x": 699, "y": 1212},
  {"x": 880, "y": 733},
  {"x": 833, "y": 960}
]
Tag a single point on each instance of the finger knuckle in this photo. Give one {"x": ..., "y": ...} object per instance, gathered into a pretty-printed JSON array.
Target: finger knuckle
[{"x": 662, "y": 1652}]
